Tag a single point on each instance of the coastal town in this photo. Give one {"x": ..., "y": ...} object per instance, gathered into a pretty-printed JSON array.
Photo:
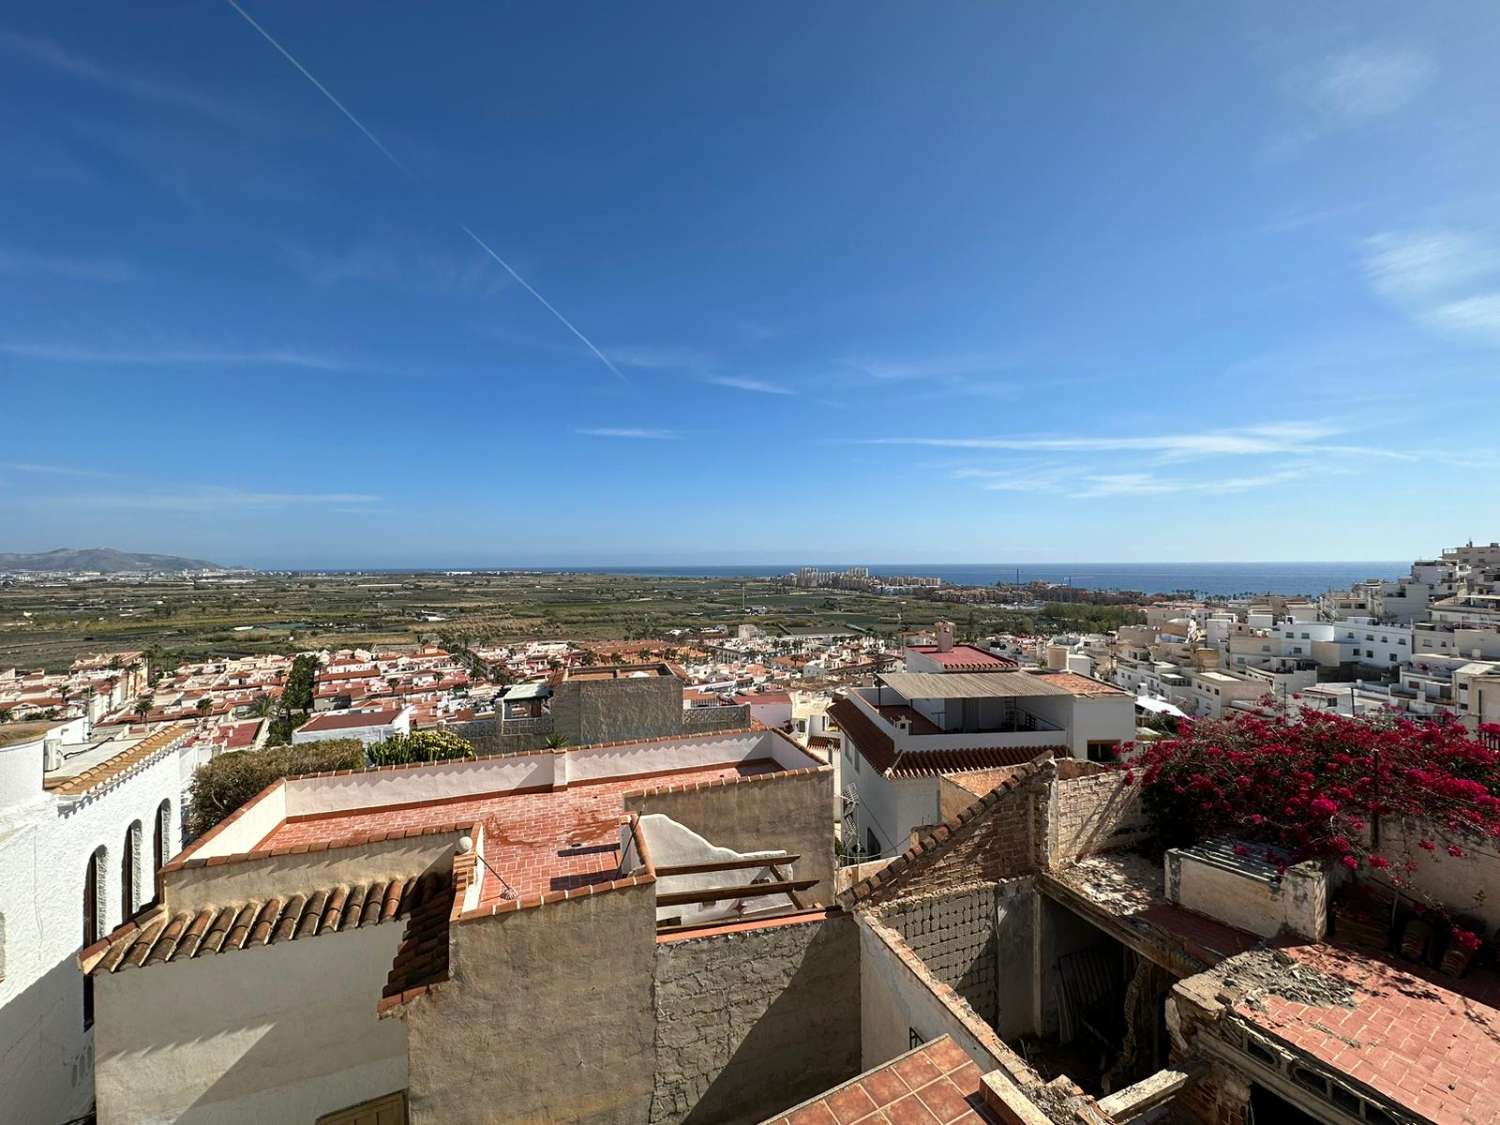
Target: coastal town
[{"x": 813, "y": 874}]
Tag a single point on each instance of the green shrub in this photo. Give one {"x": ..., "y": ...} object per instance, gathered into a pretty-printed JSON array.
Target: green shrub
[
  {"x": 225, "y": 783},
  {"x": 420, "y": 746}
]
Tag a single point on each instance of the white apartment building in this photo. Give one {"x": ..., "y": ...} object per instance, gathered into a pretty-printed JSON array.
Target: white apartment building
[
  {"x": 85, "y": 822},
  {"x": 915, "y": 735},
  {"x": 1213, "y": 692},
  {"x": 1381, "y": 646}
]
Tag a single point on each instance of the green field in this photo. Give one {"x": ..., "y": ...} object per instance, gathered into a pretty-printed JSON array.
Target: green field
[{"x": 46, "y": 626}]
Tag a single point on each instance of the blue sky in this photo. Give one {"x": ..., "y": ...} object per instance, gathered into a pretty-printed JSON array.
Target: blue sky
[{"x": 941, "y": 282}]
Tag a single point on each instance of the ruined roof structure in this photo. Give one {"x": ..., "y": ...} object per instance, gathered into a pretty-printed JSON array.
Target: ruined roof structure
[
  {"x": 1092, "y": 979},
  {"x": 649, "y": 932}
]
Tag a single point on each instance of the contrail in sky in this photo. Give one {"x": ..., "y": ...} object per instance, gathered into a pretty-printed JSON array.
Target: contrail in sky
[
  {"x": 546, "y": 304},
  {"x": 409, "y": 174}
]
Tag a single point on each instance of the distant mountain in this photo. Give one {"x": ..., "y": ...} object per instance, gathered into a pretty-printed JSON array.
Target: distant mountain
[{"x": 104, "y": 559}]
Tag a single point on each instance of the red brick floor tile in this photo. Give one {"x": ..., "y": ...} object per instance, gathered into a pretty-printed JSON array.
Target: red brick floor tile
[
  {"x": 910, "y": 1111},
  {"x": 850, "y": 1104}
]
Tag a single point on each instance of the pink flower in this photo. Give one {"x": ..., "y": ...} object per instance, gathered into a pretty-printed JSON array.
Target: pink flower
[
  {"x": 1426, "y": 845},
  {"x": 1350, "y": 862},
  {"x": 1465, "y": 938},
  {"x": 1455, "y": 851},
  {"x": 1379, "y": 861}
]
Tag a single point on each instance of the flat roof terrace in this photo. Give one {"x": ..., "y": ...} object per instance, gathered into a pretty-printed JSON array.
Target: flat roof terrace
[
  {"x": 549, "y": 821},
  {"x": 537, "y": 842}
]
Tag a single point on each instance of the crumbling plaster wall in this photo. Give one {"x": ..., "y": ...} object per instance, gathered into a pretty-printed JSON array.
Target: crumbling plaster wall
[
  {"x": 788, "y": 811},
  {"x": 548, "y": 1016},
  {"x": 749, "y": 1023}
]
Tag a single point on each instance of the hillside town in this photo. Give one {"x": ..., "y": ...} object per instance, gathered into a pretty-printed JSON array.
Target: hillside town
[{"x": 811, "y": 877}]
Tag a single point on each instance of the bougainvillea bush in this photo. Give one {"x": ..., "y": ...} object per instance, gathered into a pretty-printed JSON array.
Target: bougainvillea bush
[{"x": 1314, "y": 786}]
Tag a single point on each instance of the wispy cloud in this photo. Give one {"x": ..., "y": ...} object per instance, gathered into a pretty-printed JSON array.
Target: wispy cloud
[
  {"x": 740, "y": 383},
  {"x": 171, "y": 357},
  {"x": 1084, "y": 484},
  {"x": 628, "y": 433},
  {"x": 1409, "y": 265},
  {"x": 929, "y": 367},
  {"x": 690, "y": 361},
  {"x": 1444, "y": 279},
  {"x": 1102, "y": 485},
  {"x": 1291, "y": 437},
  {"x": 21, "y": 263},
  {"x": 50, "y": 470},
  {"x": 1369, "y": 82},
  {"x": 213, "y": 499},
  {"x": 659, "y": 357},
  {"x": 45, "y": 52},
  {"x": 1479, "y": 316},
  {"x": 398, "y": 262}
]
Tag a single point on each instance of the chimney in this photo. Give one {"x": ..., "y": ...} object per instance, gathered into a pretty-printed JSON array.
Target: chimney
[{"x": 945, "y": 636}]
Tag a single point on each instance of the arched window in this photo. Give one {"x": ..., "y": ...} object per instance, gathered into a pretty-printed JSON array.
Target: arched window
[
  {"x": 93, "y": 921},
  {"x": 161, "y": 847},
  {"x": 130, "y": 871}
]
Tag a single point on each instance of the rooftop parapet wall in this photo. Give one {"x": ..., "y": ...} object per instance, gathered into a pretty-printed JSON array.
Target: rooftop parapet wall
[
  {"x": 548, "y": 1015},
  {"x": 789, "y": 811}
]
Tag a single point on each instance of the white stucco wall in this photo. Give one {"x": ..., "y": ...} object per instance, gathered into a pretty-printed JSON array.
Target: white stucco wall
[
  {"x": 46, "y": 1057},
  {"x": 892, "y": 808},
  {"x": 283, "y": 1032}
]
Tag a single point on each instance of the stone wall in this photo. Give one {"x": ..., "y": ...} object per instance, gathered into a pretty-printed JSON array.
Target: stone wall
[
  {"x": 752, "y": 1022},
  {"x": 700, "y": 719},
  {"x": 488, "y": 738},
  {"x": 954, "y": 935},
  {"x": 786, "y": 811},
  {"x": 589, "y": 711}
]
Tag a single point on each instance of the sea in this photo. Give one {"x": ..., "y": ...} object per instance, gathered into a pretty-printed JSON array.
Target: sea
[{"x": 1221, "y": 579}]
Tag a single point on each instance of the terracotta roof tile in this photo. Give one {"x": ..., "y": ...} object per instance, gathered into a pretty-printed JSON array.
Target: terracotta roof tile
[
  {"x": 936, "y": 1082},
  {"x": 879, "y": 749},
  {"x": 138, "y": 755},
  {"x": 157, "y": 936}
]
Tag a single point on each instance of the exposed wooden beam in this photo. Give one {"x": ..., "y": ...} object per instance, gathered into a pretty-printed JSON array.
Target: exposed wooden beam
[
  {"x": 721, "y": 894},
  {"x": 744, "y": 864}
]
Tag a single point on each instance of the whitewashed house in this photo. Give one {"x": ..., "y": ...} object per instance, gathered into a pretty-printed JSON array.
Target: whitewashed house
[{"x": 85, "y": 821}]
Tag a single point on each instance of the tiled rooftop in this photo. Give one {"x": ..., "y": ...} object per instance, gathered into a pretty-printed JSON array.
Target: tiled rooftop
[
  {"x": 75, "y": 785},
  {"x": 879, "y": 749},
  {"x": 1080, "y": 685},
  {"x": 537, "y": 841},
  {"x": 344, "y": 720},
  {"x": 1419, "y": 1042},
  {"x": 936, "y": 1083},
  {"x": 160, "y": 936},
  {"x": 963, "y": 658}
]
